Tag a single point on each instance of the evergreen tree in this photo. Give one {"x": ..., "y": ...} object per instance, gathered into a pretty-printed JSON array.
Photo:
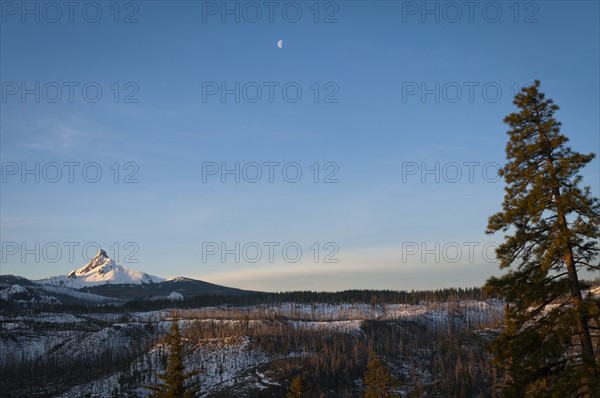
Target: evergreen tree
[
  {"x": 552, "y": 227},
  {"x": 378, "y": 379},
  {"x": 173, "y": 381},
  {"x": 297, "y": 388}
]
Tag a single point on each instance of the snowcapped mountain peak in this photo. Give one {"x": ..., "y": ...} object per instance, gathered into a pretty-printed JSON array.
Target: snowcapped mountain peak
[
  {"x": 101, "y": 262},
  {"x": 100, "y": 257},
  {"x": 101, "y": 270}
]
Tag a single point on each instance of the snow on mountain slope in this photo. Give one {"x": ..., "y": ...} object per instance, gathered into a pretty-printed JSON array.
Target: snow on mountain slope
[
  {"x": 11, "y": 291},
  {"x": 82, "y": 297},
  {"x": 26, "y": 296},
  {"x": 101, "y": 270}
]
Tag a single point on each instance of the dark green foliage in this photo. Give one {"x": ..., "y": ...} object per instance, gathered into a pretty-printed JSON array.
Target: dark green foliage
[
  {"x": 552, "y": 226},
  {"x": 174, "y": 381},
  {"x": 379, "y": 382},
  {"x": 297, "y": 388}
]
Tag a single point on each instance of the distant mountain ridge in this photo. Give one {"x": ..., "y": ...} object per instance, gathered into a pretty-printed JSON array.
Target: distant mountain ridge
[
  {"x": 184, "y": 286},
  {"x": 103, "y": 280}
]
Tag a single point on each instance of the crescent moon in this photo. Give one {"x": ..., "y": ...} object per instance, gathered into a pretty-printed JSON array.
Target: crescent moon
[{"x": 280, "y": 44}]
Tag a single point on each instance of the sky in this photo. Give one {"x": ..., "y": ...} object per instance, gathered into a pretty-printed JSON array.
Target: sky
[{"x": 360, "y": 153}]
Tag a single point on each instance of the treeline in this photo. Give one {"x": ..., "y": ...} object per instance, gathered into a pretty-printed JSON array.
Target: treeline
[{"x": 374, "y": 297}]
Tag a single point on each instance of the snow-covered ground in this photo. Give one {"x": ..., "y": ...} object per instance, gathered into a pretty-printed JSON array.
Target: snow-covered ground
[
  {"x": 221, "y": 363},
  {"x": 225, "y": 361},
  {"x": 470, "y": 311}
]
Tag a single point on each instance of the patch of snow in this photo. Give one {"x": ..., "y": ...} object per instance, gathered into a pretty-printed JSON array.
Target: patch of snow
[
  {"x": 77, "y": 294},
  {"x": 175, "y": 296},
  {"x": 26, "y": 296},
  {"x": 178, "y": 279},
  {"x": 348, "y": 327},
  {"x": 265, "y": 380},
  {"x": 10, "y": 291}
]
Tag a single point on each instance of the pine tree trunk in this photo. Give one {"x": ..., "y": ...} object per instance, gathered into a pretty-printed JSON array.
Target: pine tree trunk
[{"x": 587, "y": 348}]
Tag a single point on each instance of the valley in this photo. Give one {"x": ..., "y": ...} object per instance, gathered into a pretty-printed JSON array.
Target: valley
[{"x": 252, "y": 350}]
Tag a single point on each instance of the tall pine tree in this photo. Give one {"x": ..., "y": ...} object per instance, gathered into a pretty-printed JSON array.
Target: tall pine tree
[
  {"x": 174, "y": 380},
  {"x": 297, "y": 388},
  {"x": 378, "y": 379},
  {"x": 549, "y": 344}
]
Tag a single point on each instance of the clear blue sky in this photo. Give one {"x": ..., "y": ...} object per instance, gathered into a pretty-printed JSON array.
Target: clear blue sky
[{"x": 368, "y": 129}]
